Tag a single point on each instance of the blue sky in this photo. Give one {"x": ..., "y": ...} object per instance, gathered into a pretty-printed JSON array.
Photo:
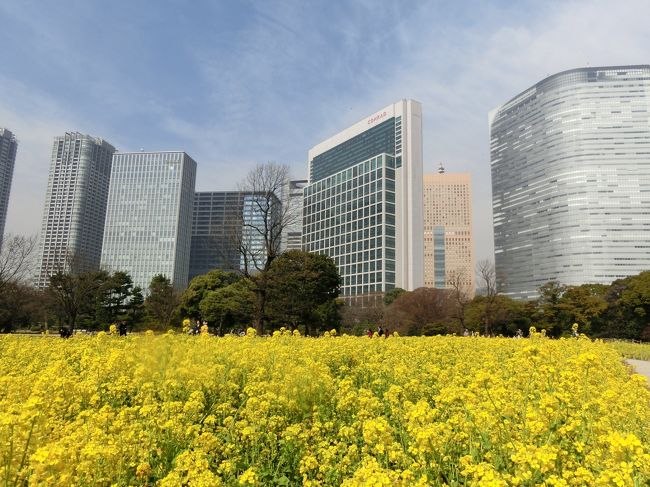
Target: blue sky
[{"x": 242, "y": 82}]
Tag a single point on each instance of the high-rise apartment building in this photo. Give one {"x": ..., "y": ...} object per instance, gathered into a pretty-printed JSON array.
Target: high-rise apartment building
[
  {"x": 571, "y": 180},
  {"x": 363, "y": 204},
  {"x": 149, "y": 216},
  {"x": 448, "y": 242},
  {"x": 75, "y": 206},
  {"x": 8, "y": 147},
  {"x": 292, "y": 233}
]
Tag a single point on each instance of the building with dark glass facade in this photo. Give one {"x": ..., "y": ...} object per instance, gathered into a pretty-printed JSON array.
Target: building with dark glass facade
[
  {"x": 228, "y": 231},
  {"x": 570, "y": 163},
  {"x": 216, "y": 229},
  {"x": 363, "y": 203}
]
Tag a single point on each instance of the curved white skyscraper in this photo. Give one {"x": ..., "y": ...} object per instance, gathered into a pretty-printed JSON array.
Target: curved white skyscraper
[{"x": 570, "y": 163}]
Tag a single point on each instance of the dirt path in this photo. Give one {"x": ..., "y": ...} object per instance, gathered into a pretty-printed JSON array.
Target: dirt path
[{"x": 640, "y": 367}]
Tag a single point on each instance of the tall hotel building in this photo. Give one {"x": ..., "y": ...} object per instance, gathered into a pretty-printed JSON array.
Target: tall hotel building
[
  {"x": 448, "y": 242},
  {"x": 571, "y": 180},
  {"x": 149, "y": 216},
  {"x": 363, "y": 204},
  {"x": 8, "y": 146},
  {"x": 75, "y": 206}
]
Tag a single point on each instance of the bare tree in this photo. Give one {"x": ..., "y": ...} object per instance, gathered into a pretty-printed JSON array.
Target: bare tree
[
  {"x": 487, "y": 275},
  {"x": 422, "y": 311},
  {"x": 268, "y": 211},
  {"x": 16, "y": 255},
  {"x": 356, "y": 319},
  {"x": 459, "y": 284},
  {"x": 19, "y": 303},
  {"x": 71, "y": 290},
  {"x": 70, "y": 295}
]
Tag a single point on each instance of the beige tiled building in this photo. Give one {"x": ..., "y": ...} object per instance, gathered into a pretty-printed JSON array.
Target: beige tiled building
[{"x": 448, "y": 240}]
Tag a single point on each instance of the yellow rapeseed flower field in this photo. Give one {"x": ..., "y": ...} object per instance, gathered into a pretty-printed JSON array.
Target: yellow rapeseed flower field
[
  {"x": 177, "y": 410},
  {"x": 639, "y": 351}
]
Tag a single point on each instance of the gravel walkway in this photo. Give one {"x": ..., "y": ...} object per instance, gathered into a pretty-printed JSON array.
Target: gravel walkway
[{"x": 640, "y": 367}]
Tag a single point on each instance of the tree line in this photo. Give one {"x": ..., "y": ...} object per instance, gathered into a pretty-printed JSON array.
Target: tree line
[
  {"x": 618, "y": 310},
  {"x": 301, "y": 290},
  {"x": 271, "y": 288}
]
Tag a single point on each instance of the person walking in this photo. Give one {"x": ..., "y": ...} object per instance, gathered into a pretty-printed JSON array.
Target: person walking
[{"x": 196, "y": 329}]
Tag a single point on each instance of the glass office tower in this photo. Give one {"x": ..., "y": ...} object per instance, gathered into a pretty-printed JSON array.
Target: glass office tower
[
  {"x": 216, "y": 230},
  {"x": 292, "y": 232},
  {"x": 363, "y": 204},
  {"x": 75, "y": 206},
  {"x": 225, "y": 226},
  {"x": 8, "y": 147},
  {"x": 149, "y": 216},
  {"x": 260, "y": 228},
  {"x": 571, "y": 180}
]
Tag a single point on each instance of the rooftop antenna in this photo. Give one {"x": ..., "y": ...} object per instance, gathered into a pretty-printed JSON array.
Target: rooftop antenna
[{"x": 441, "y": 169}]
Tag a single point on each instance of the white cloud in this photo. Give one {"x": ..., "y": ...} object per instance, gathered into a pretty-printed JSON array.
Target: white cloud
[
  {"x": 461, "y": 76},
  {"x": 34, "y": 124}
]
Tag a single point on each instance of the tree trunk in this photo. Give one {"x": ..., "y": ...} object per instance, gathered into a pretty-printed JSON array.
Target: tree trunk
[
  {"x": 488, "y": 314},
  {"x": 260, "y": 305}
]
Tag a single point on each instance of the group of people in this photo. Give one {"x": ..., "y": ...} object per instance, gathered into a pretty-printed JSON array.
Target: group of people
[
  {"x": 65, "y": 332},
  {"x": 196, "y": 329},
  {"x": 380, "y": 332},
  {"x": 121, "y": 328}
]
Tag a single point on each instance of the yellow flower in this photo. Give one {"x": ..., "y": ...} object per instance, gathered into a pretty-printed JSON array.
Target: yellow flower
[
  {"x": 172, "y": 410},
  {"x": 143, "y": 471},
  {"x": 249, "y": 477}
]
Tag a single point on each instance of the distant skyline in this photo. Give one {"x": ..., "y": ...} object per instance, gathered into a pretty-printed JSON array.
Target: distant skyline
[{"x": 235, "y": 84}]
